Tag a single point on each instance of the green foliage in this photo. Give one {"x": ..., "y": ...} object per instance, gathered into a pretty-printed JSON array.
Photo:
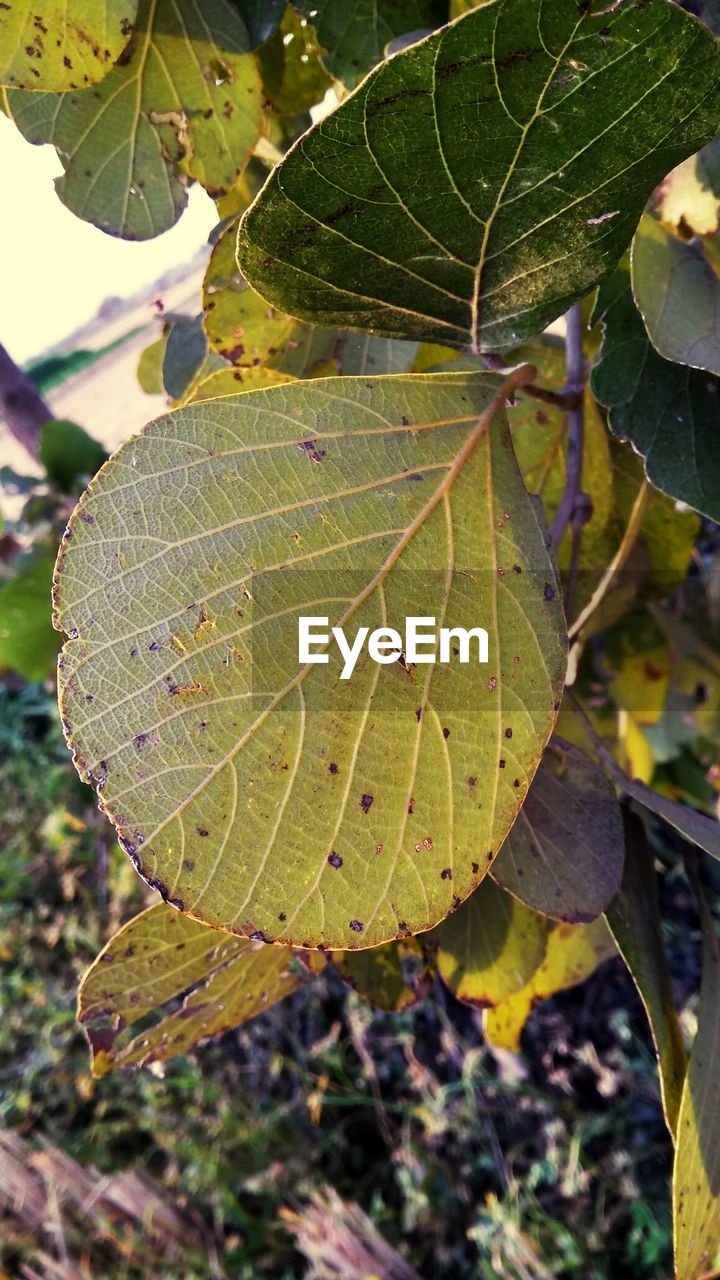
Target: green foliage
[
  {"x": 129, "y": 146},
  {"x": 355, "y": 33},
  {"x": 653, "y": 403},
  {"x": 634, "y": 919},
  {"x": 341, "y": 447},
  {"x": 677, "y": 293},
  {"x": 28, "y": 644},
  {"x": 438, "y": 201}
]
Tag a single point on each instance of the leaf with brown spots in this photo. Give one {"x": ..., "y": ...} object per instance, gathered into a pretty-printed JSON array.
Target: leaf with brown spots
[
  {"x": 62, "y": 44},
  {"x": 477, "y": 183},
  {"x": 156, "y": 959},
  {"x": 183, "y": 104},
  {"x": 363, "y": 501}
]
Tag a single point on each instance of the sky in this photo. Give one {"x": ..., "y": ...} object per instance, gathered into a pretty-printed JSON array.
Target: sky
[{"x": 55, "y": 269}]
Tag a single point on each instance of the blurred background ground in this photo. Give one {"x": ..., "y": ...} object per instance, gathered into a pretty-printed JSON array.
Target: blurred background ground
[{"x": 469, "y": 1163}]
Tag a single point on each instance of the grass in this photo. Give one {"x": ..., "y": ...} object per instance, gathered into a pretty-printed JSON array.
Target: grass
[{"x": 470, "y": 1164}]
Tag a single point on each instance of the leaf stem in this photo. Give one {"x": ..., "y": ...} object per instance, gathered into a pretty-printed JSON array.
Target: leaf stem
[{"x": 573, "y": 509}]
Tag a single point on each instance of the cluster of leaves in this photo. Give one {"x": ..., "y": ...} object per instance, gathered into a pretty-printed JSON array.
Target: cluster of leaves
[{"x": 384, "y": 300}]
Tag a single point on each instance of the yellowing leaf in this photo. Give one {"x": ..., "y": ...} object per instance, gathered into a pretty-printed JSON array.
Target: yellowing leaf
[
  {"x": 573, "y": 952},
  {"x": 688, "y": 200},
  {"x": 62, "y": 44},
  {"x": 159, "y": 956},
  {"x": 634, "y": 918},
  {"x": 257, "y": 791},
  {"x": 696, "y": 1179},
  {"x": 491, "y": 947},
  {"x": 564, "y": 854}
]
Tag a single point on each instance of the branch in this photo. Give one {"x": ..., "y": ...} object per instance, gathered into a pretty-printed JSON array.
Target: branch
[
  {"x": 21, "y": 405},
  {"x": 574, "y": 509}
]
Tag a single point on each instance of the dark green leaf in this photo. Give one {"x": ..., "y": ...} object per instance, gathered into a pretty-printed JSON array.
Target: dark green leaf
[
  {"x": 477, "y": 183},
  {"x": 261, "y": 18},
  {"x": 634, "y": 918},
  {"x": 159, "y": 956},
  {"x": 258, "y": 790},
  {"x": 668, "y": 412},
  {"x": 695, "y": 827},
  {"x": 564, "y": 853},
  {"x": 354, "y": 33},
  {"x": 185, "y": 351}
]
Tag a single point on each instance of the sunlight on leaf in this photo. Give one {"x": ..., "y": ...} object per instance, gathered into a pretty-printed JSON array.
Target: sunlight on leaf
[
  {"x": 62, "y": 44},
  {"x": 129, "y": 147},
  {"x": 258, "y": 792},
  {"x": 564, "y": 854},
  {"x": 574, "y": 951},
  {"x": 491, "y": 947}
]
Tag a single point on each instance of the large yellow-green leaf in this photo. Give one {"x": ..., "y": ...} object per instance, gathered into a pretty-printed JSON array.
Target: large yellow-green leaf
[
  {"x": 634, "y": 918},
  {"x": 478, "y": 182},
  {"x": 573, "y": 952},
  {"x": 162, "y": 955},
  {"x": 696, "y": 1179},
  {"x": 677, "y": 293},
  {"x": 491, "y": 947},
  {"x": 64, "y": 44},
  {"x": 564, "y": 855},
  {"x": 263, "y": 794},
  {"x": 391, "y": 977},
  {"x": 185, "y": 103}
]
